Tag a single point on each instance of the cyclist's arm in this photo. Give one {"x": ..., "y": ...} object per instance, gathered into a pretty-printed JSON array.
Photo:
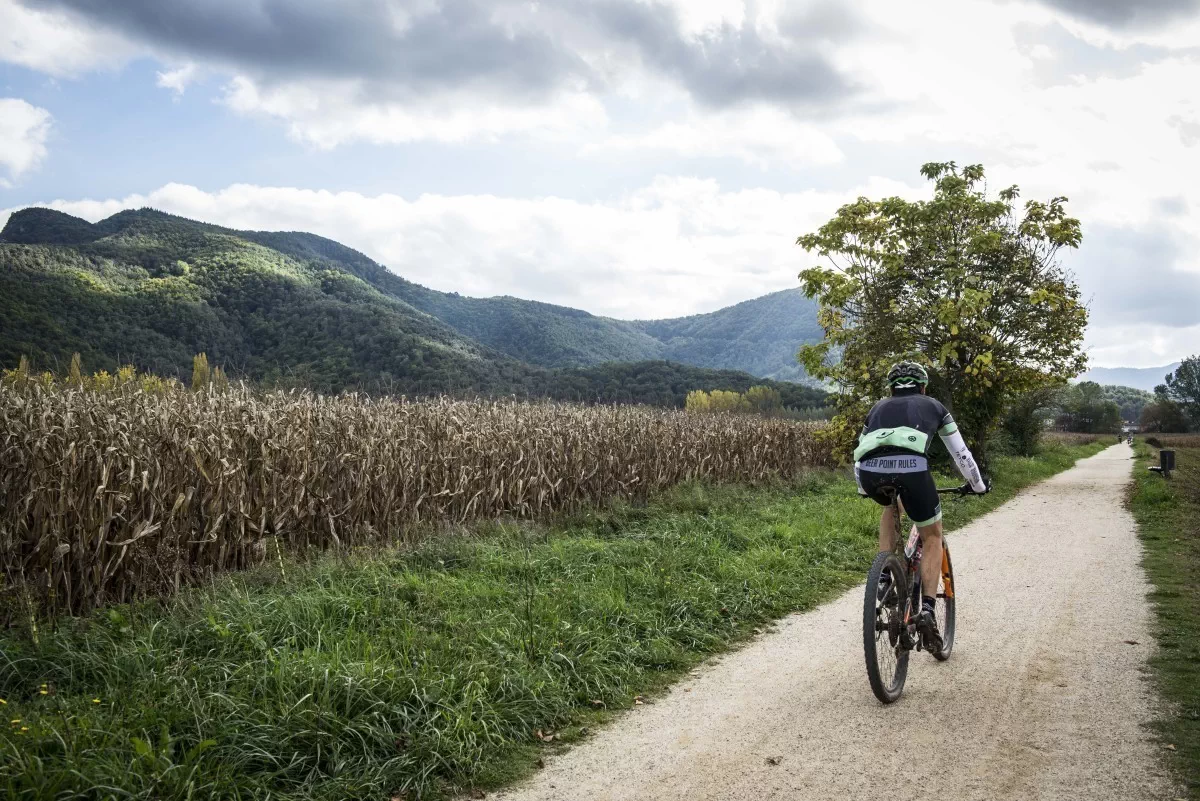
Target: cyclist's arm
[{"x": 961, "y": 454}]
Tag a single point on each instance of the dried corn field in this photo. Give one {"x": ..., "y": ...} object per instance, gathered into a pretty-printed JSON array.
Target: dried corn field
[
  {"x": 1171, "y": 440},
  {"x": 111, "y": 495},
  {"x": 1074, "y": 438}
]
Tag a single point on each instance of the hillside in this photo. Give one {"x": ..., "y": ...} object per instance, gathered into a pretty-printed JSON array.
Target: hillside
[
  {"x": 759, "y": 336},
  {"x": 1145, "y": 378},
  {"x": 1131, "y": 400},
  {"x": 152, "y": 289}
]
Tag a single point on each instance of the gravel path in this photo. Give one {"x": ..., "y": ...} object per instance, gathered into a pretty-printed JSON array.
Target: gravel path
[{"x": 1044, "y": 697}]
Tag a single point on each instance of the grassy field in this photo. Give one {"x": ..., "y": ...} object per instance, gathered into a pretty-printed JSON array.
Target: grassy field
[
  {"x": 422, "y": 672},
  {"x": 1168, "y": 516}
]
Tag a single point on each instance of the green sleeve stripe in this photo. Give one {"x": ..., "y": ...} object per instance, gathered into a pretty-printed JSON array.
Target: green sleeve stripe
[{"x": 948, "y": 429}]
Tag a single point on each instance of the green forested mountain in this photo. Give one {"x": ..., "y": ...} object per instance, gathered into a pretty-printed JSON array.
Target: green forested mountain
[
  {"x": 1130, "y": 400},
  {"x": 152, "y": 289},
  {"x": 759, "y": 336}
]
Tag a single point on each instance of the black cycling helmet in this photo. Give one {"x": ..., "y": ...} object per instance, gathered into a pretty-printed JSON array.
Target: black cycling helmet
[{"x": 907, "y": 375}]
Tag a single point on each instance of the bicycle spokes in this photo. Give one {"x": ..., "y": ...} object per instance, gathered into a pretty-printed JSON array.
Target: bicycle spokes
[{"x": 885, "y": 635}]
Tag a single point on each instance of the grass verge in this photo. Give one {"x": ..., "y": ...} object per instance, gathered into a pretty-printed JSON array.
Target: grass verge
[
  {"x": 415, "y": 674},
  {"x": 1168, "y": 517}
]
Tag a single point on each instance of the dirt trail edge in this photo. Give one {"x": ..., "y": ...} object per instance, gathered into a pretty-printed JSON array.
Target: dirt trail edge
[{"x": 1044, "y": 697}]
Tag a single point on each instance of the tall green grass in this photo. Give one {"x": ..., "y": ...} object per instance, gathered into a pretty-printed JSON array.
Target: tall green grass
[
  {"x": 1168, "y": 516},
  {"x": 420, "y": 672}
]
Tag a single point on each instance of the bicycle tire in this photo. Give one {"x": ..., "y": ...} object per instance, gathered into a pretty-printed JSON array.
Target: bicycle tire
[
  {"x": 945, "y": 602},
  {"x": 879, "y": 644}
]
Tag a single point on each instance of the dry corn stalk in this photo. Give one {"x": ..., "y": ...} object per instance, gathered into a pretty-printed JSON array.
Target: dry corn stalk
[{"x": 107, "y": 495}]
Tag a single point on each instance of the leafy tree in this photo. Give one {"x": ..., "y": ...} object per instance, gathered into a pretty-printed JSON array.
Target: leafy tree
[
  {"x": 764, "y": 399},
  {"x": 1129, "y": 399},
  {"x": 760, "y": 398},
  {"x": 968, "y": 285},
  {"x": 1183, "y": 387},
  {"x": 698, "y": 401},
  {"x": 200, "y": 372},
  {"x": 1025, "y": 419},
  {"x": 1086, "y": 409},
  {"x": 1163, "y": 416},
  {"x": 721, "y": 400},
  {"x": 75, "y": 373}
]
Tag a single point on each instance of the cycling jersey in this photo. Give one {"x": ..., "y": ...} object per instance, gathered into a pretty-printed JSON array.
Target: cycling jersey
[{"x": 892, "y": 451}]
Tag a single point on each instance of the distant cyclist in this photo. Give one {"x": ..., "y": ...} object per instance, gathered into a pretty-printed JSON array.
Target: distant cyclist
[{"x": 893, "y": 452}]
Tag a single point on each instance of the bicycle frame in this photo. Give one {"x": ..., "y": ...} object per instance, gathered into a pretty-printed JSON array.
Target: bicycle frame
[
  {"x": 910, "y": 551},
  {"x": 892, "y": 622}
]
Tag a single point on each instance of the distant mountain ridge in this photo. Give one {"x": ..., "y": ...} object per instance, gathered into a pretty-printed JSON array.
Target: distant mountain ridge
[
  {"x": 759, "y": 336},
  {"x": 155, "y": 288},
  {"x": 1144, "y": 378}
]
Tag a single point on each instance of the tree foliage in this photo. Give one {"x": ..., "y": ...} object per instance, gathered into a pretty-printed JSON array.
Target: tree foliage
[
  {"x": 1183, "y": 387},
  {"x": 1025, "y": 419},
  {"x": 1166, "y": 414},
  {"x": 968, "y": 285},
  {"x": 1130, "y": 400},
  {"x": 1086, "y": 409},
  {"x": 760, "y": 398},
  {"x": 1163, "y": 416}
]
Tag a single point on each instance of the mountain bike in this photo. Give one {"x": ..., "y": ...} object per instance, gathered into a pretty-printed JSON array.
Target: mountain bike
[{"x": 892, "y": 603}]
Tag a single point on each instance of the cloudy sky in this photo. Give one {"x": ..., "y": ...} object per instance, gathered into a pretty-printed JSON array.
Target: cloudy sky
[{"x": 635, "y": 158}]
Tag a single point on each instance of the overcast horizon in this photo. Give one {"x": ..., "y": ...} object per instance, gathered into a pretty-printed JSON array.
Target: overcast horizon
[{"x": 633, "y": 158}]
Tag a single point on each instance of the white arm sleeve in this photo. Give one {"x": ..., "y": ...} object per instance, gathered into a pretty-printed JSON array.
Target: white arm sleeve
[
  {"x": 963, "y": 459},
  {"x": 858, "y": 481}
]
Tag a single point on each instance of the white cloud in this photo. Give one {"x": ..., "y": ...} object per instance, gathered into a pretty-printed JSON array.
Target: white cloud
[
  {"x": 327, "y": 114},
  {"x": 56, "y": 43},
  {"x": 177, "y": 79},
  {"x": 23, "y": 132},
  {"x": 1141, "y": 345},
  {"x": 761, "y": 136},
  {"x": 676, "y": 246}
]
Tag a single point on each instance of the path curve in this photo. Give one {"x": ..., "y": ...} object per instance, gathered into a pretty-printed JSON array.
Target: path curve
[{"x": 1042, "y": 699}]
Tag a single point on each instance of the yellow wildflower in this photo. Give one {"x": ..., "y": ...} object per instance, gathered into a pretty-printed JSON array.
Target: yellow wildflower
[
  {"x": 95, "y": 700},
  {"x": 15, "y": 721}
]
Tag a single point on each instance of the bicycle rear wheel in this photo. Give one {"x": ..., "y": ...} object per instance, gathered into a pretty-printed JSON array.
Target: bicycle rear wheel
[
  {"x": 944, "y": 610},
  {"x": 883, "y": 622}
]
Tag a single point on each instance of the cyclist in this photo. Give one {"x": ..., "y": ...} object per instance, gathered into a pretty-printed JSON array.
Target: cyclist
[{"x": 893, "y": 452}]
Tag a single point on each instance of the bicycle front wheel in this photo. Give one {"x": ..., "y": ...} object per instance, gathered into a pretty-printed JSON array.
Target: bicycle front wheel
[
  {"x": 944, "y": 610},
  {"x": 883, "y": 623}
]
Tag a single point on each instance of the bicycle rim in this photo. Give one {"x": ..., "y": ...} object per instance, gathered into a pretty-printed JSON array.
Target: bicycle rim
[
  {"x": 883, "y": 620},
  {"x": 944, "y": 609}
]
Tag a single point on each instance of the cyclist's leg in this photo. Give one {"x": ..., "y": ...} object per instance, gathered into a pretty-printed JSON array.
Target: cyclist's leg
[
  {"x": 925, "y": 509},
  {"x": 931, "y": 558}
]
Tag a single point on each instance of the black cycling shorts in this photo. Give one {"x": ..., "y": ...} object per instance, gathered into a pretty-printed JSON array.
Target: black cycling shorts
[{"x": 911, "y": 478}]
